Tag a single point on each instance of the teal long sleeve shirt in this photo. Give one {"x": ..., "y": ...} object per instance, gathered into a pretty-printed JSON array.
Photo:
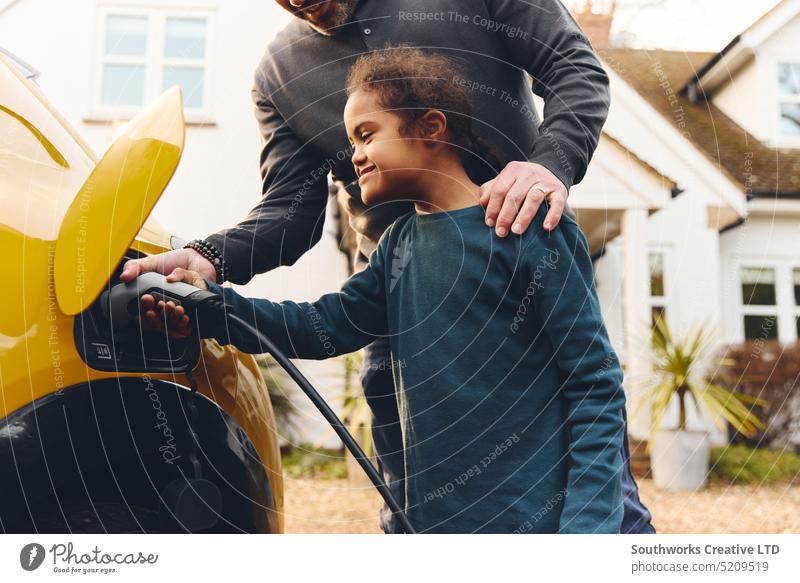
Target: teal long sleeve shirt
[{"x": 509, "y": 391}]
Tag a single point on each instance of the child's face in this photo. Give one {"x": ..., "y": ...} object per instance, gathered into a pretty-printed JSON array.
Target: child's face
[{"x": 387, "y": 163}]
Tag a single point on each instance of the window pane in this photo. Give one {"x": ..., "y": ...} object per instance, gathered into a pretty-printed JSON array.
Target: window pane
[
  {"x": 185, "y": 38},
  {"x": 126, "y": 36},
  {"x": 191, "y": 81},
  {"x": 763, "y": 327},
  {"x": 123, "y": 85},
  {"x": 790, "y": 119},
  {"x": 797, "y": 286},
  {"x": 657, "y": 313},
  {"x": 656, "y": 261},
  {"x": 758, "y": 286},
  {"x": 789, "y": 78}
]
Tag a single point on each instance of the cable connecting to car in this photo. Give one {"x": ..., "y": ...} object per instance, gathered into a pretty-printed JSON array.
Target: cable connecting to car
[{"x": 120, "y": 306}]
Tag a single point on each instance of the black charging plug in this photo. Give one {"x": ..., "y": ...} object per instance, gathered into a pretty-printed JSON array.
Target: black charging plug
[{"x": 121, "y": 304}]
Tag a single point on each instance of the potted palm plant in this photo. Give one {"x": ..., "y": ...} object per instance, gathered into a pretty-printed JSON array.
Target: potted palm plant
[{"x": 679, "y": 455}]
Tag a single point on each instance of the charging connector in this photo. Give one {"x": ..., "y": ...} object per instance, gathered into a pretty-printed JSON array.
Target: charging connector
[{"x": 121, "y": 304}]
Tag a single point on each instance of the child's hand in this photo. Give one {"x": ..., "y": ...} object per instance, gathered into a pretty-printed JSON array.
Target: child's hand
[
  {"x": 168, "y": 316},
  {"x": 162, "y": 316}
]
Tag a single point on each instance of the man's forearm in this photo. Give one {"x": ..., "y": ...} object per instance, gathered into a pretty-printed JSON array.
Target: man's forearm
[
  {"x": 567, "y": 74},
  {"x": 271, "y": 236},
  {"x": 288, "y": 219},
  {"x": 576, "y": 106}
]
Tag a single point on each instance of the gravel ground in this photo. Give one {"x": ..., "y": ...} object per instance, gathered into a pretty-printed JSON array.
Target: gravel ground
[
  {"x": 342, "y": 507},
  {"x": 771, "y": 508},
  {"x": 330, "y": 506}
]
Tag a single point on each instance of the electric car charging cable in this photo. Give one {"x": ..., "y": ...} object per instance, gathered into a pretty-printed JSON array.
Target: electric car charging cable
[{"x": 121, "y": 304}]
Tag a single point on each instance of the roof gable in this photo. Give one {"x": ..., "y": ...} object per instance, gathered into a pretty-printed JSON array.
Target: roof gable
[
  {"x": 759, "y": 170},
  {"x": 741, "y": 49}
]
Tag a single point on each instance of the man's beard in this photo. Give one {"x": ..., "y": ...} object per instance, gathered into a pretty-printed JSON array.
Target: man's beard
[{"x": 342, "y": 12}]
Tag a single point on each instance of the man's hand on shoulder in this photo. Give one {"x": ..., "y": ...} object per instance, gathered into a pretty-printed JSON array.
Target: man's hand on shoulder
[{"x": 514, "y": 196}]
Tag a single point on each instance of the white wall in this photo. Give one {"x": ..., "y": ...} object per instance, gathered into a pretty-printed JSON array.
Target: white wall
[
  {"x": 692, "y": 269},
  {"x": 742, "y": 99},
  {"x": 217, "y": 181},
  {"x": 691, "y": 273},
  {"x": 608, "y": 279}
]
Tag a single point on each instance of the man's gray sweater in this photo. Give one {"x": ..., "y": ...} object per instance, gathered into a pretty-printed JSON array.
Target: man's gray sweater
[{"x": 506, "y": 51}]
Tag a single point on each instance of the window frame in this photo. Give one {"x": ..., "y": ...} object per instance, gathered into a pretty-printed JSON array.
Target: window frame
[
  {"x": 784, "y": 310},
  {"x": 782, "y": 139},
  {"x": 154, "y": 61},
  {"x": 665, "y": 301}
]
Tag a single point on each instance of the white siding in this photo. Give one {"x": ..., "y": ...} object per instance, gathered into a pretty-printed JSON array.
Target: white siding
[{"x": 743, "y": 100}]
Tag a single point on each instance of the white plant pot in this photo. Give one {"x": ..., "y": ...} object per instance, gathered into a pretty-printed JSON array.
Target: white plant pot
[{"x": 679, "y": 459}]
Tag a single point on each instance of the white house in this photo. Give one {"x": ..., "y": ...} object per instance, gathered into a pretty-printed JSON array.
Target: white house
[{"x": 724, "y": 251}]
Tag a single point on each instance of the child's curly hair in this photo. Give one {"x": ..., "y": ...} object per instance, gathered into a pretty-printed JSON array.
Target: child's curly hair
[{"x": 409, "y": 82}]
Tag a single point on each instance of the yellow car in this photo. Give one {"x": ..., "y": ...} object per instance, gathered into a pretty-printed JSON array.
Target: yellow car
[{"x": 101, "y": 430}]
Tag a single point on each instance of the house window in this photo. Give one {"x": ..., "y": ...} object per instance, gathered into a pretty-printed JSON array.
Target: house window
[
  {"x": 184, "y": 58},
  {"x": 658, "y": 293},
  {"x": 789, "y": 98},
  {"x": 124, "y": 63},
  {"x": 145, "y": 53},
  {"x": 759, "y": 303}
]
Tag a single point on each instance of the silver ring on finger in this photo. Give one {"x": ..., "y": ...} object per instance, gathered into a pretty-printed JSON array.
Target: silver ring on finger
[{"x": 538, "y": 187}]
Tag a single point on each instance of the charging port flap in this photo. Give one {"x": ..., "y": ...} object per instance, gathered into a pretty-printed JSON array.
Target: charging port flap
[{"x": 115, "y": 201}]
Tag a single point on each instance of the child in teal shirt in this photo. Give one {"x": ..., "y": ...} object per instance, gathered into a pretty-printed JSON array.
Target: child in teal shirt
[{"x": 509, "y": 391}]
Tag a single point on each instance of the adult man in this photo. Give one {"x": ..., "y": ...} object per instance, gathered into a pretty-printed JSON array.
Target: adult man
[{"x": 299, "y": 98}]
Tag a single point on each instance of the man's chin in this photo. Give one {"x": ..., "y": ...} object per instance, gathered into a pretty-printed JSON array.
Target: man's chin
[{"x": 335, "y": 16}]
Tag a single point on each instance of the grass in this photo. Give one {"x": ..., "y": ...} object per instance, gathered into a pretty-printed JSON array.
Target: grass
[
  {"x": 740, "y": 464},
  {"x": 736, "y": 464},
  {"x": 305, "y": 461}
]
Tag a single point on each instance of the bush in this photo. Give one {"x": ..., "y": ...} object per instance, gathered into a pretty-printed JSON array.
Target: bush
[
  {"x": 766, "y": 370},
  {"x": 741, "y": 464},
  {"x": 310, "y": 462}
]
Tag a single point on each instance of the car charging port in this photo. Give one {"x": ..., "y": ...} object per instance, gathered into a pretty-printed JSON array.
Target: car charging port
[{"x": 129, "y": 348}]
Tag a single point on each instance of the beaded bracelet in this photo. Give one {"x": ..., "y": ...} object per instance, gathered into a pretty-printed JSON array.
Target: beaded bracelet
[{"x": 208, "y": 251}]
